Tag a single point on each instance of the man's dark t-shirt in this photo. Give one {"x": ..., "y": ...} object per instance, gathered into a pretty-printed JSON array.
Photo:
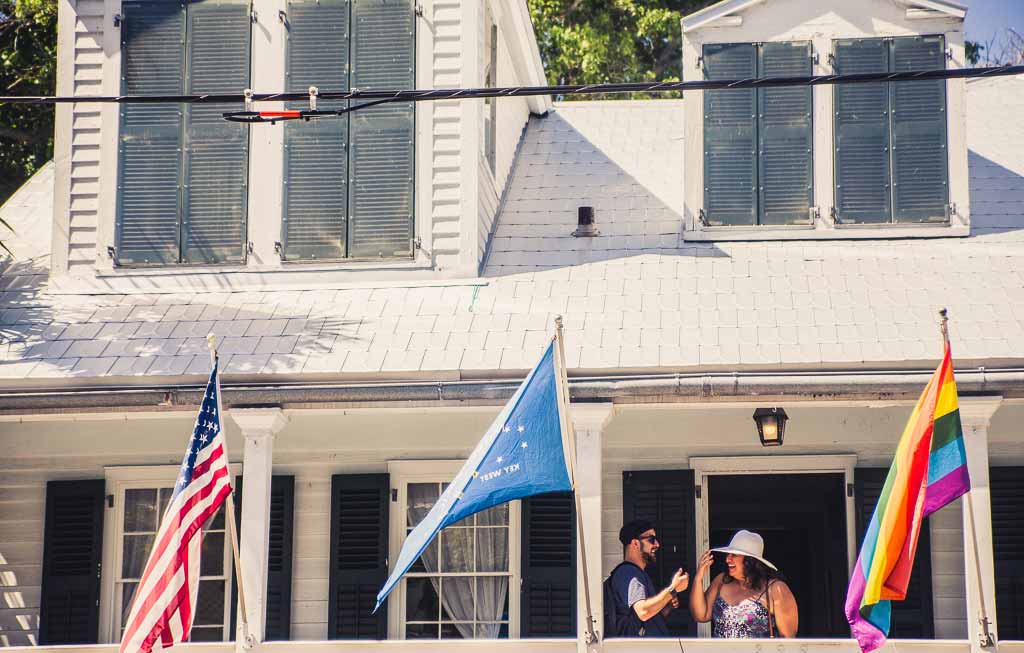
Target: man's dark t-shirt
[{"x": 632, "y": 584}]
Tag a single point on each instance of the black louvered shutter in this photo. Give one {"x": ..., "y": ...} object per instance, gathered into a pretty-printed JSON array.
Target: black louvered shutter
[
  {"x": 382, "y": 152},
  {"x": 359, "y": 556},
  {"x": 149, "y": 142},
  {"x": 1007, "y": 495},
  {"x": 784, "y": 136},
  {"x": 862, "y": 133},
  {"x": 315, "y": 221},
  {"x": 279, "y": 560},
  {"x": 919, "y": 162},
  {"x": 730, "y": 137},
  {"x": 279, "y": 568},
  {"x": 912, "y": 618},
  {"x": 216, "y": 160},
  {"x": 665, "y": 497},
  {"x": 72, "y": 551},
  {"x": 548, "y": 587}
]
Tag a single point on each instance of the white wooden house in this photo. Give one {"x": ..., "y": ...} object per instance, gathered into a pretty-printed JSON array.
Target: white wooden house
[{"x": 379, "y": 284}]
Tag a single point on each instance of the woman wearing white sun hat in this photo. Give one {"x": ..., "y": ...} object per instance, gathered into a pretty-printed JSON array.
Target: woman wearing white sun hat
[{"x": 749, "y": 599}]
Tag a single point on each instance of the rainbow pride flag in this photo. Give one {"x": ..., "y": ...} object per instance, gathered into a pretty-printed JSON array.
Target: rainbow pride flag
[{"x": 928, "y": 471}]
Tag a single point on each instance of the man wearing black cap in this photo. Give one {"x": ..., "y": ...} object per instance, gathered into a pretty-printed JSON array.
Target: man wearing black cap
[{"x": 638, "y": 609}]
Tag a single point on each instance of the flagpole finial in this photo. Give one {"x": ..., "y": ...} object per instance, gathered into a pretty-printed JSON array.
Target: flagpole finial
[
  {"x": 558, "y": 322},
  {"x": 944, "y": 324},
  {"x": 211, "y": 344}
]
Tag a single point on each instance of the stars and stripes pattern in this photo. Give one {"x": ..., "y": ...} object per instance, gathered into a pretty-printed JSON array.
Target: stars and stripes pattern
[{"x": 165, "y": 601}]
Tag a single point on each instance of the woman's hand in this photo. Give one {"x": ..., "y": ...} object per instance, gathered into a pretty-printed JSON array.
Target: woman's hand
[{"x": 703, "y": 565}]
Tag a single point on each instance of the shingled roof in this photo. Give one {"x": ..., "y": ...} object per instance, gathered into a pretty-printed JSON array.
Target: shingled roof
[{"x": 637, "y": 297}]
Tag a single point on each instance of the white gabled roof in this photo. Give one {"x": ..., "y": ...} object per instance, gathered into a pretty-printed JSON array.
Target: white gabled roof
[
  {"x": 725, "y": 8},
  {"x": 637, "y": 297}
]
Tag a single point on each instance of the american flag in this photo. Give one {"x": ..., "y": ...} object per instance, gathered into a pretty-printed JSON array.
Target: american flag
[{"x": 165, "y": 600}]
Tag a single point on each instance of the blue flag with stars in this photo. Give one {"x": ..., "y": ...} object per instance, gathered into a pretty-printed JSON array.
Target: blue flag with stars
[{"x": 521, "y": 454}]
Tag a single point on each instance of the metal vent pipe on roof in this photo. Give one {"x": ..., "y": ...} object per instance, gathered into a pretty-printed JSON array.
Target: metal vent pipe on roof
[{"x": 585, "y": 223}]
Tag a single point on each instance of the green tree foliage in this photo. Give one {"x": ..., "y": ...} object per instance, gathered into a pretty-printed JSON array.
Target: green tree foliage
[
  {"x": 973, "y": 51},
  {"x": 600, "y": 41},
  {"x": 28, "y": 56}
]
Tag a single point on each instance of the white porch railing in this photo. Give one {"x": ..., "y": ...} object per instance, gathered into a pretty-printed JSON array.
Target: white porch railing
[{"x": 559, "y": 646}]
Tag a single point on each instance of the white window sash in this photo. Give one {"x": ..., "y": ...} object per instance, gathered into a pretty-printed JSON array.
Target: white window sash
[
  {"x": 403, "y": 473},
  {"x": 118, "y": 480}
]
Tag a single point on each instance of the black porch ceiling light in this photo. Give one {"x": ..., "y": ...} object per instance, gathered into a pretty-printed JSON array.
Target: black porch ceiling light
[{"x": 771, "y": 425}]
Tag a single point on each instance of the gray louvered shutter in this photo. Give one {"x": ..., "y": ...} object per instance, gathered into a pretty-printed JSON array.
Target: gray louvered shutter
[
  {"x": 315, "y": 221},
  {"x": 548, "y": 586},
  {"x": 665, "y": 497},
  {"x": 358, "y": 556},
  {"x": 149, "y": 147},
  {"x": 382, "y": 152},
  {"x": 919, "y": 161},
  {"x": 912, "y": 618},
  {"x": 730, "y": 137},
  {"x": 784, "y": 136},
  {"x": 216, "y": 158},
  {"x": 1007, "y": 497},
  {"x": 72, "y": 553},
  {"x": 862, "y": 133}
]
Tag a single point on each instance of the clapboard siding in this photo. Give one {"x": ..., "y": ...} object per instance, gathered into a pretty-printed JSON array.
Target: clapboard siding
[
  {"x": 447, "y": 169},
  {"x": 22, "y": 509},
  {"x": 950, "y": 606},
  {"x": 87, "y": 69}
]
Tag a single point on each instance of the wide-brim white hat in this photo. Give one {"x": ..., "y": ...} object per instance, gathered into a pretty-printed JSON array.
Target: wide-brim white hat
[{"x": 745, "y": 543}]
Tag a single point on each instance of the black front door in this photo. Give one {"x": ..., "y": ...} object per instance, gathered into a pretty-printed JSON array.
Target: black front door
[{"x": 802, "y": 518}]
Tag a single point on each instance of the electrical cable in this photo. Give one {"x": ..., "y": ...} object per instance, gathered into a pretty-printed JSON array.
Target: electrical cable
[{"x": 379, "y": 97}]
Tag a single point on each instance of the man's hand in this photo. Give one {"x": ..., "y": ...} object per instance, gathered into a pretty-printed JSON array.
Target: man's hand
[{"x": 680, "y": 581}]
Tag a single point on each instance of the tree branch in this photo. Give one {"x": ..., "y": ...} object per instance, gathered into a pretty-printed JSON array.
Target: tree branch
[{"x": 22, "y": 135}]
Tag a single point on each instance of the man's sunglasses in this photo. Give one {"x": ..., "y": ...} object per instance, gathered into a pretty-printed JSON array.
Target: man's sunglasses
[{"x": 651, "y": 539}]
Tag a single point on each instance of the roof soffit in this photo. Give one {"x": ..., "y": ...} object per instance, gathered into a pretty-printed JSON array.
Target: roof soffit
[{"x": 728, "y": 12}]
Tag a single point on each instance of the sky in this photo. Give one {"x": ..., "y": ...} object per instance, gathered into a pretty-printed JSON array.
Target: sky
[{"x": 987, "y": 18}]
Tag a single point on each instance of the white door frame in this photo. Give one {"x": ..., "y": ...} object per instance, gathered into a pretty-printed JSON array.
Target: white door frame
[{"x": 706, "y": 466}]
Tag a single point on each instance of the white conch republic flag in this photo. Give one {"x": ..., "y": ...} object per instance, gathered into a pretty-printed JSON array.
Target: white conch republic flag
[{"x": 524, "y": 452}]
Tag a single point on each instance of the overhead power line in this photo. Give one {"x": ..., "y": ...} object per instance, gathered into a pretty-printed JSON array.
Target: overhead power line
[{"x": 378, "y": 97}]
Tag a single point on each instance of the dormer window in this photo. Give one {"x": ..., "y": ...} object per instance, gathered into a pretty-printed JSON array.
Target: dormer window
[
  {"x": 828, "y": 161},
  {"x": 758, "y": 142},
  {"x": 890, "y": 138}
]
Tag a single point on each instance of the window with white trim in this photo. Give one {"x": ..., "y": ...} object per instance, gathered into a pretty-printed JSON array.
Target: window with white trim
[
  {"x": 466, "y": 584},
  {"x": 139, "y": 505},
  {"x": 490, "y": 122}
]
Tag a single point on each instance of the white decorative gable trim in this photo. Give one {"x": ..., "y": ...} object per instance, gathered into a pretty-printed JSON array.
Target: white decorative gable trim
[
  {"x": 722, "y": 13},
  {"x": 727, "y": 12}
]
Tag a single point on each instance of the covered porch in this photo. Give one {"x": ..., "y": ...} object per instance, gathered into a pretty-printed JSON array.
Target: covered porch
[{"x": 675, "y": 462}]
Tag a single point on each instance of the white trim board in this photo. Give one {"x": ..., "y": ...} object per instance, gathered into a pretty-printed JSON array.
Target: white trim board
[{"x": 703, "y": 467}]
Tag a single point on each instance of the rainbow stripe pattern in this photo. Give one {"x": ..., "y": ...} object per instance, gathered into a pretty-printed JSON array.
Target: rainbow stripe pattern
[{"x": 928, "y": 471}]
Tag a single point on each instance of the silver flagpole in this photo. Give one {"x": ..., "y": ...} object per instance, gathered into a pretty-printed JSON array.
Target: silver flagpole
[
  {"x": 569, "y": 439},
  {"x": 987, "y": 640},
  {"x": 229, "y": 507}
]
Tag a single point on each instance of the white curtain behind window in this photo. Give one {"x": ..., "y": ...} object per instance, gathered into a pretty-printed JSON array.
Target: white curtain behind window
[{"x": 457, "y": 555}]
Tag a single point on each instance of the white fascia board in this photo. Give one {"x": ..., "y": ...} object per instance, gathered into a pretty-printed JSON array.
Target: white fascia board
[
  {"x": 525, "y": 53},
  {"x": 947, "y": 7},
  {"x": 715, "y": 12}
]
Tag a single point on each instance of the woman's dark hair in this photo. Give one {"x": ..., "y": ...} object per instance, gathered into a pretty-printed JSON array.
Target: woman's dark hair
[{"x": 756, "y": 573}]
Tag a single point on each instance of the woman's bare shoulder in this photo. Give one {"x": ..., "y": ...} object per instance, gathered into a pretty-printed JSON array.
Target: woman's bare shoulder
[{"x": 778, "y": 587}]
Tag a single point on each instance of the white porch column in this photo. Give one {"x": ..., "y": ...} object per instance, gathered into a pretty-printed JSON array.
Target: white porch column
[
  {"x": 979, "y": 568},
  {"x": 258, "y": 426},
  {"x": 589, "y": 421}
]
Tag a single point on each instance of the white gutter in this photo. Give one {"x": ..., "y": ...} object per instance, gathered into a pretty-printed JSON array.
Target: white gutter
[{"x": 623, "y": 389}]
